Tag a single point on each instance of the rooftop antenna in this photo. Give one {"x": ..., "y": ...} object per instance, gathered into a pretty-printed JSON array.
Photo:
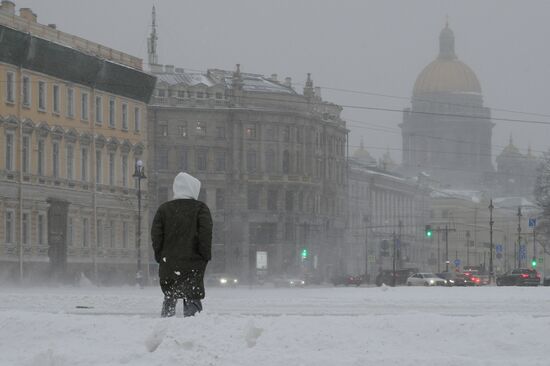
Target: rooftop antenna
[{"x": 152, "y": 40}]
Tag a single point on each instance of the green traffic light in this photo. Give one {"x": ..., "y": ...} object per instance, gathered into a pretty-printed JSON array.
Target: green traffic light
[
  {"x": 428, "y": 234},
  {"x": 304, "y": 253},
  {"x": 534, "y": 263}
]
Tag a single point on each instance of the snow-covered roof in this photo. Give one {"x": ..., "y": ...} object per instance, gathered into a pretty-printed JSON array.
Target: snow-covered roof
[
  {"x": 473, "y": 196},
  {"x": 513, "y": 202}
]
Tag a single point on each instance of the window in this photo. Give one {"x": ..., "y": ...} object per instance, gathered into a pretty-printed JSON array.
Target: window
[
  {"x": 181, "y": 94},
  {"x": 182, "y": 129},
  {"x": 112, "y": 113},
  {"x": 161, "y": 93},
  {"x": 220, "y": 132},
  {"x": 98, "y": 167},
  {"x": 10, "y": 87},
  {"x": 26, "y": 155},
  {"x": 289, "y": 231},
  {"x": 163, "y": 130},
  {"x": 137, "y": 119},
  {"x": 298, "y": 162},
  {"x": 125, "y": 170},
  {"x": 84, "y": 106},
  {"x": 162, "y": 158},
  {"x": 70, "y": 162},
  {"x": 70, "y": 102},
  {"x": 41, "y": 234},
  {"x": 112, "y": 234},
  {"x": 220, "y": 161},
  {"x": 201, "y": 160},
  {"x": 219, "y": 96},
  {"x": 251, "y": 161},
  {"x": 286, "y": 162},
  {"x": 99, "y": 232},
  {"x": 220, "y": 199},
  {"x": 250, "y": 132},
  {"x": 9, "y": 151},
  {"x": 40, "y": 167},
  {"x": 289, "y": 201},
  {"x": 55, "y": 99},
  {"x": 26, "y": 91},
  {"x": 200, "y": 95},
  {"x": 270, "y": 161},
  {"x": 55, "y": 159},
  {"x": 42, "y": 95},
  {"x": 286, "y": 134},
  {"x": 99, "y": 109},
  {"x": 272, "y": 200},
  {"x": 184, "y": 160},
  {"x": 70, "y": 230},
  {"x": 253, "y": 198},
  {"x": 124, "y": 234},
  {"x": 85, "y": 232},
  {"x": 26, "y": 227},
  {"x": 112, "y": 169},
  {"x": 201, "y": 128},
  {"x": 84, "y": 164},
  {"x": 190, "y": 94},
  {"x": 9, "y": 226},
  {"x": 125, "y": 116}
]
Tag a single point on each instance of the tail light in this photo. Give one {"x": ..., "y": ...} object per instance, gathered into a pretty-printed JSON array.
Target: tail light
[
  {"x": 524, "y": 275},
  {"x": 538, "y": 276}
]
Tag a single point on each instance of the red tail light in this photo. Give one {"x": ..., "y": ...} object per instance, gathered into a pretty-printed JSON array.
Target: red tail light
[{"x": 524, "y": 275}]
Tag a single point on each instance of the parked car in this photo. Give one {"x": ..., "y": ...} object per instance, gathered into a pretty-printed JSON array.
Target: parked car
[
  {"x": 456, "y": 279},
  {"x": 347, "y": 280},
  {"x": 479, "y": 279},
  {"x": 401, "y": 275},
  {"x": 222, "y": 280},
  {"x": 425, "y": 279},
  {"x": 519, "y": 277}
]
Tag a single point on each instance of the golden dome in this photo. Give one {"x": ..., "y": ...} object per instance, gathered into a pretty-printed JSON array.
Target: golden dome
[
  {"x": 447, "y": 76},
  {"x": 447, "y": 73}
]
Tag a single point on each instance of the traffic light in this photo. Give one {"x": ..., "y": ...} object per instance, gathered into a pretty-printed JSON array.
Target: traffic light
[
  {"x": 534, "y": 262},
  {"x": 304, "y": 253},
  {"x": 428, "y": 231}
]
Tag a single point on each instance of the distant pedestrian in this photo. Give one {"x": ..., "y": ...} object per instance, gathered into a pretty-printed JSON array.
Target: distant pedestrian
[{"x": 182, "y": 242}]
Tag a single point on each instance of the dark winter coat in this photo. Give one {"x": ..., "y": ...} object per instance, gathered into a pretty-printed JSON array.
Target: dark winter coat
[{"x": 182, "y": 237}]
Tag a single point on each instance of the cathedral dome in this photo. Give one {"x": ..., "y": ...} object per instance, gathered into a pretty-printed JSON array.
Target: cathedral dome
[{"x": 447, "y": 73}]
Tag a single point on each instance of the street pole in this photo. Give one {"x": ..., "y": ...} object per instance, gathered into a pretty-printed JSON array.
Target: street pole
[
  {"x": 519, "y": 237},
  {"x": 534, "y": 246},
  {"x": 393, "y": 258},
  {"x": 438, "y": 252},
  {"x": 366, "y": 220},
  {"x": 446, "y": 248},
  {"x": 491, "y": 222},
  {"x": 139, "y": 173},
  {"x": 468, "y": 248}
]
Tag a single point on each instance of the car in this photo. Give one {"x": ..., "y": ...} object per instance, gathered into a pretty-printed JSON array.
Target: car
[
  {"x": 479, "y": 279},
  {"x": 456, "y": 279},
  {"x": 401, "y": 275},
  {"x": 425, "y": 279},
  {"x": 289, "y": 282},
  {"x": 221, "y": 280},
  {"x": 519, "y": 277},
  {"x": 347, "y": 280},
  {"x": 546, "y": 281}
]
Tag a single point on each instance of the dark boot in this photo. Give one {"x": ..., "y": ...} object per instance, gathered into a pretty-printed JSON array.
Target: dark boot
[
  {"x": 168, "y": 307},
  {"x": 191, "y": 307}
]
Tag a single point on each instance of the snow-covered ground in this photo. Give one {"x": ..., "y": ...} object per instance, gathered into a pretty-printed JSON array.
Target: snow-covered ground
[{"x": 66, "y": 326}]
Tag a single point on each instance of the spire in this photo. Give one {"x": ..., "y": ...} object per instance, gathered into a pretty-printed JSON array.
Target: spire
[
  {"x": 308, "y": 89},
  {"x": 447, "y": 42},
  {"x": 152, "y": 40}
]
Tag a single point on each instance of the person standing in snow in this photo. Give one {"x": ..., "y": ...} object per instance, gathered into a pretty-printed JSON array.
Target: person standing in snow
[{"x": 182, "y": 242}]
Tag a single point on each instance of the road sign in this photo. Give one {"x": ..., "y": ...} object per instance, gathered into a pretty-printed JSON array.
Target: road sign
[
  {"x": 498, "y": 248},
  {"x": 457, "y": 262},
  {"x": 523, "y": 252},
  {"x": 532, "y": 222}
]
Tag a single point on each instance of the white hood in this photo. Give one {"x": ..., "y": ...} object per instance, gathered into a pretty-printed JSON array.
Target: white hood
[{"x": 186, "y": 186}]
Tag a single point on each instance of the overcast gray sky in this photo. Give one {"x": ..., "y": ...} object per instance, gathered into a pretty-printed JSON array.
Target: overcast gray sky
[{"x": 374, "y": 46}]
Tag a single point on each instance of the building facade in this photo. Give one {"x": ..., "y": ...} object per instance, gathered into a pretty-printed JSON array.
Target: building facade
[
  {"x": 73, "y": 121},
  {"x": 386, "y": 210},
  {"x": 272, "y": 163},
  {"x": 447, "y": 131}
]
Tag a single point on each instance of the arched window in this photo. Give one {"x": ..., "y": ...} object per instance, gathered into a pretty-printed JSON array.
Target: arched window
[
  {"x": 270, "y": 161},
  {"x": 251, "y": 161}
]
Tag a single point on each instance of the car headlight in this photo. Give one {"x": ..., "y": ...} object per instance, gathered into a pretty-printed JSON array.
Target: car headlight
[
  {"x": 303, "y": 282},
  {"x": 223, "y": 281},
  {"x": 235, "y": 280},
  {"x": 451, "y": 281},
  {"x": 432, "y": 282}
]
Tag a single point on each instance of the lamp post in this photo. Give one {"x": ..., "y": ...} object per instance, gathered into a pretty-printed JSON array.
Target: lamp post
[{"x": 139, "y": 174}]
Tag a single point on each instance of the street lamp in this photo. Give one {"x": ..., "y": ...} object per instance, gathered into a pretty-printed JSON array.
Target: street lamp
[{"x": 139, "y": 174}]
